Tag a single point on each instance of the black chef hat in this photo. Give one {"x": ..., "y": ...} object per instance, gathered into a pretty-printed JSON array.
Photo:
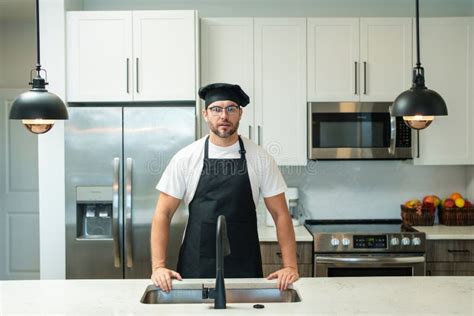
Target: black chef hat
[{"x": 223, "y": 91}]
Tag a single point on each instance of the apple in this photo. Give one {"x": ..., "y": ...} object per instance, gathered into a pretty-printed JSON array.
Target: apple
[
  {"x": 467, "y": 204},
  {"x": 428, "y": 199},
  {"x": 430, "y": 207},
  {"x": 448, "y": 203}
]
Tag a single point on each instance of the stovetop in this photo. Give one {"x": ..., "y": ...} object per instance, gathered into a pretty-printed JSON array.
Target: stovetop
[
  {"x": 386, "y": 226},
  {"x": 368, "y": 236}
]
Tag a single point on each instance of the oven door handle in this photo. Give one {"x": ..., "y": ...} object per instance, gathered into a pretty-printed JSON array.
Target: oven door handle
[{"x": 365, "y": 260}]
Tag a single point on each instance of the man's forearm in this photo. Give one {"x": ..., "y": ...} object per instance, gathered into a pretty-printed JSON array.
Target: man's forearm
[
  {"x": 286, "y": 239},
  {"x": 159, "y": 240}
]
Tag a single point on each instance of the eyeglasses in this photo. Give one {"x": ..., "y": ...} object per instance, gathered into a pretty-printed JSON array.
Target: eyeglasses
[{"x": 231, "y": 110}]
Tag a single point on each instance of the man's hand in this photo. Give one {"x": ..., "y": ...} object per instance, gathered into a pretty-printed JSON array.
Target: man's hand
[
  {"x": 161, "y": 277},
  {"x": 285, "y": 277}
]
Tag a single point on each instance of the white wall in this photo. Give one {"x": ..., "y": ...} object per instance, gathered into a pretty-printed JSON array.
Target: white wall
[
  {"x": 17, "y": 53},
  {"x": 370, "y": 189},
  {"x": 470, "y": 183},
  {"x": 51, "y": 144}
]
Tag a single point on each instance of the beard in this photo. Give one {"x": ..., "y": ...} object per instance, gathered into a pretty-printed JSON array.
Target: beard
[{"x": 231, "y": 130}]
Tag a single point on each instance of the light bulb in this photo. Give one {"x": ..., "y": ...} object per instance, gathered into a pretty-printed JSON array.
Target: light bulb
[
  {"x": 38, "y": 126},
  {"x": 418, "y": 121}
]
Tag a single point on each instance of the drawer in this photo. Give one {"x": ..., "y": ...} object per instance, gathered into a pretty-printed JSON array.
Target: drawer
[
  {"x": 304, "y": 270},
  {"x": 450, "y": 268},
  {"x": 271, "y": 253},
  {"x": 450, "y": 251}
]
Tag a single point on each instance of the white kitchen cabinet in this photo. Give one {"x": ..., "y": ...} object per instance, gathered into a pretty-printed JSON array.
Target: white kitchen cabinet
[
  {"x": 447, "y": 56},
  {"x": 280, "y": 88},
  {"x": 333, "y": 59},
  {"x": 385, "y": 57},
  {"x": 227, "y": 56},
  {"x": 99, "y": 53},
  {"x": 131, "y": 56},
  {"x": 164, "y": 55},
  {"x": 352, "y": 59},
  {"x": 267, "y": 58}
]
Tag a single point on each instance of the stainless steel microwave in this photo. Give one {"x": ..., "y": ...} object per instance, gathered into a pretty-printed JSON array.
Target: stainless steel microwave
[{"x": 357, "y": 130}]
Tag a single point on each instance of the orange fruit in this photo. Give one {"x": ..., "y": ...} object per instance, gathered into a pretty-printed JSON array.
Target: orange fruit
[
  {"x": 459, "y": 202},
  {"x": 454, "y": 196}
]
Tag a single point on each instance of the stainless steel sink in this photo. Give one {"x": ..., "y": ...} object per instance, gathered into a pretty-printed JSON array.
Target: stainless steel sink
[{"x": 196, "y": 294}]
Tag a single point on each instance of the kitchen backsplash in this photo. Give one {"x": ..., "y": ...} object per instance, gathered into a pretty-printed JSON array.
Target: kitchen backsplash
[{"x": 370, "y": 189}]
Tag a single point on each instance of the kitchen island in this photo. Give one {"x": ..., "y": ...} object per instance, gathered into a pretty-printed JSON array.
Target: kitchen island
[{"x": 319, "y": 296}]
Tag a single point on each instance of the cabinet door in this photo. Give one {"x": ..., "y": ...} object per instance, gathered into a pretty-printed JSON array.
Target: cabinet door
[
  {"x": 280, "y": 88},
  {"x": 446, "y": 55},
  {"x": 164, "y": 52},
  {"x": 99, "y": 52},
  {"x": 385, "y": 57},
  {"x": 227, "y": 56},
  {"x": 333, "y": 59}
]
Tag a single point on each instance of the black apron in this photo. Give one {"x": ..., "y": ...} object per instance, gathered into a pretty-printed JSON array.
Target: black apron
[{"x": 223, "y": 189}]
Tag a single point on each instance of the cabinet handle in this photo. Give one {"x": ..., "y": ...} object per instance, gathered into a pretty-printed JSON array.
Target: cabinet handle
[
  {"x": 457, "y": 252},
  {"x": 365, "y": 77},
  {"x": 136, "y": 70},
  {"x": 250, "y": 131},
  {"x": 128, "y": 75},
  {"x": 259, "y": 135},
  {"x": 355, "y": 78}
]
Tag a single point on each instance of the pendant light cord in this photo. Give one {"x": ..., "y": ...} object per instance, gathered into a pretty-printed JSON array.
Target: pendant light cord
[
  {"x": 418, "y": 63},
  {"x": 38, "y": 65}
]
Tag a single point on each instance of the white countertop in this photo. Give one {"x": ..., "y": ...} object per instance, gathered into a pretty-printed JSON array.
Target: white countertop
[
  {"x": 268, "y": 233},
  {"x": 447, "y": 232},
  {"x": 322, "y": 296}
]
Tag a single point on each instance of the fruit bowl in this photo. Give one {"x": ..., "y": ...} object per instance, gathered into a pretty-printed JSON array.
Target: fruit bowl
[
  {"x": 417, "y": 216},
  {"x": 456, "y": 211},
  {"x": 455, "y": 216}
]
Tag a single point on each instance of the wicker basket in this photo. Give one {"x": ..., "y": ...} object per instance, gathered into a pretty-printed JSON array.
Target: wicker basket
[
  {"x": 413, "y": 218},
  {"x": 456, "y": 216}
]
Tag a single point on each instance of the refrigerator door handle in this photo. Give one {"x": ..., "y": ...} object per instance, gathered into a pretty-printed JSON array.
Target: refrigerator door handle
[
  {"x": 128, "y": 212},
  {"x": 115, "y": 212}
]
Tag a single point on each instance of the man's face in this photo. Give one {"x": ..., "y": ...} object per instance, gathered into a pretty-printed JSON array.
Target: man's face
[{"x": 221, "y": 121}]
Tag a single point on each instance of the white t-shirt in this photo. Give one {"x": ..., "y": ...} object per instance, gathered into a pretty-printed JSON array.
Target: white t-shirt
[{"x": 181, "y": 176}]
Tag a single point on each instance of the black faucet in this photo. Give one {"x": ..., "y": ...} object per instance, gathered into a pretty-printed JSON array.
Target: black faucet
[{"x": 222, "y": 250}]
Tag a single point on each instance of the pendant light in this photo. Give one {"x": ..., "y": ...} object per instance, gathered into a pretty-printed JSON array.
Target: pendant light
[
  {"x": 38, "y": 108},
  {"x": 419, "y": 105}
]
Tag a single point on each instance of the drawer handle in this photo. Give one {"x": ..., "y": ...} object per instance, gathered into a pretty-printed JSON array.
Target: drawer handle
[
  {"x": 463, "y": 251},
  {"x": 279, "y": 255}
]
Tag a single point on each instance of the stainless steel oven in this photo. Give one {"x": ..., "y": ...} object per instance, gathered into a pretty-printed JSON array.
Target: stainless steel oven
[
  {"x": 355, "y": 248},
  {"x": 357, "y": 265},
  {"x": 357, "y": 130}
]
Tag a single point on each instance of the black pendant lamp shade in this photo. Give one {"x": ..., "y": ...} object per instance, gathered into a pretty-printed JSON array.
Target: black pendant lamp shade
[
  {"x": 419, "y": 105},
  {"x": 38, "y": 108}
]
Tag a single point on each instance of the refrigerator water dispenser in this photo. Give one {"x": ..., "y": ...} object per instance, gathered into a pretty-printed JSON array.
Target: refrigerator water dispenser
[{"x": 94, "y": 212}]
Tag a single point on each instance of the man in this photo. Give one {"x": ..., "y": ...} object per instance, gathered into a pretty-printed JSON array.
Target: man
[{"x": 221, "y": 174}]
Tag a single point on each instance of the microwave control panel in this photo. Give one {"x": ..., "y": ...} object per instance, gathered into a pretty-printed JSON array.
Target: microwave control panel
[{"x": 403, "y": 134}]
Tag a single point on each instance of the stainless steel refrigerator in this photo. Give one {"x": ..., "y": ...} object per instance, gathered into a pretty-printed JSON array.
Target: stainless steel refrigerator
[{"x": 114, "y": 157}]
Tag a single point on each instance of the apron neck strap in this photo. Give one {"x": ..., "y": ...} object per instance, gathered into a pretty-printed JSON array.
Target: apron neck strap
[{"x": 242, "y": 150}]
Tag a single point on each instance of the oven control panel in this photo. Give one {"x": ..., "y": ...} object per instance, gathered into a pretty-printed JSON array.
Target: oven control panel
[
  {"x": 344, "y": 242},
  {"x": 370, "y": 241}
]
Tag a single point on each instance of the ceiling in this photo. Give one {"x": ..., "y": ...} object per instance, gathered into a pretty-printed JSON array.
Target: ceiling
[{"x": 17, "y": 10}]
